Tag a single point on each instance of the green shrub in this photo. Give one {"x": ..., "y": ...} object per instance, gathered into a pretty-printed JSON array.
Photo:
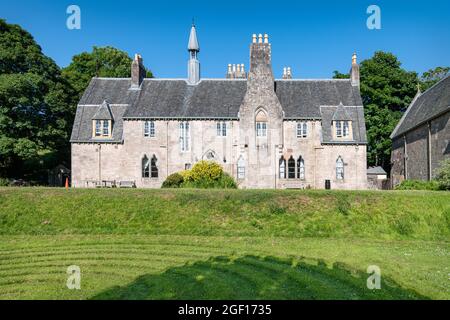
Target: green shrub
[
  {"x": 4, "y": 182},
  {"x": 418, "y": 185},
  {"x": 443, "y": 175},
  {"x": 204, "y": 175},
  {"x": 175, "y": 180},
  {"x": 206, "y": 171}
]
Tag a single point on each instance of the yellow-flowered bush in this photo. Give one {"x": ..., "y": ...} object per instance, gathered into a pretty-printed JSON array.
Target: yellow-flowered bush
[{"x": 204, "y": 170}]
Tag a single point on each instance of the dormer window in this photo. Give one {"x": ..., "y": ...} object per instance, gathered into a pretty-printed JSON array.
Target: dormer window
[
  {"x": 102, "y": 128},
  {"x": 342, "y": 129}
]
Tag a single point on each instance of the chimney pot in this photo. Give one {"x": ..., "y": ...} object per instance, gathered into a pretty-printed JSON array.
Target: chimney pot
[
  {"x": 254, "y": 38},
  {"x": 260, "y": 38},
  {"x": 266, "y": 38}
]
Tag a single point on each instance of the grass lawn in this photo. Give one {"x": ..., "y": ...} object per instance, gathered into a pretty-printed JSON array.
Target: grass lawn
[{"x": 213, "y": 244}]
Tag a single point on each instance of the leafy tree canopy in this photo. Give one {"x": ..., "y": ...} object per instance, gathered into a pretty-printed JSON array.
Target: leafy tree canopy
[
  {"x": 432, "y": 76},
  {"x": 101, "y": 62},
  {"x": 36, "y": 105},
  {"x": 387, "y": 90}
]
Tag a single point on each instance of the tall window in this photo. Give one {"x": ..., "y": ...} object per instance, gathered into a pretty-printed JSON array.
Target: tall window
[
  {"x": 282, "y": 168},
  {"x": 102, "y": 128},
  {"x": 302, "y": 129},
  {"x": 149, "y": 129},
  {"x": 339, "y": 169},
  {"x": 346, "y": 129},
  {"x": 291, "y": 168},
  {"x": 338, "y": 129},
  {"x": 98, "y": 128},
  {"x": 301, "y": 168},
  {"x": 261, "y": 129},
  {"x": 221, "y": 129},
  {"x": 154, "y": 167},
  {"x": 145, "y": 167},
  {"x": 184, "y": 136},
  {"x": 241, "y": 168}
]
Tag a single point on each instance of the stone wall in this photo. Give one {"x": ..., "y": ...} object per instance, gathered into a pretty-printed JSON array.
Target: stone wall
[{"x": 426, "y": 144}]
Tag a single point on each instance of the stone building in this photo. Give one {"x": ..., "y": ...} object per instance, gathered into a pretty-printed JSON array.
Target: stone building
[
  {"x": 266, "y": 133},
  {"x": 421, "y": 139}
]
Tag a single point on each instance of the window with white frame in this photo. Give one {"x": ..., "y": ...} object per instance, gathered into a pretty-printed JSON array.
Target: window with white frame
[
  {"x": 98, "y": 128},
  {"x": 282, "y": 168},
  {"x": 342, "y": 129},
  {"x": 302, "y": 129},
  {"x": 145, "y": 167},
  {"x": 339, "y": 168},
  {"x": 301, "y": 168},
  {"x": 261, "y": 129},
  {"x": 149, "y": 128},
  {"x": 221, "y": 129},
  {"x": 291, "y": 168},
  {"x": 184, "y": 136},
  {"x": 102, "y": 128},
  {"x": 241, "y": 168}
]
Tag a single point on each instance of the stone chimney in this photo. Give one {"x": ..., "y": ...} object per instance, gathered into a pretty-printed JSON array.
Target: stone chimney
[
  {"x": 354, "y": 72},
  {"x": 236, "y": 71},
  {"x": 287, "y": 74},
  {"x": 261, "y": 62},
  {"x": 137, "y": 71}
]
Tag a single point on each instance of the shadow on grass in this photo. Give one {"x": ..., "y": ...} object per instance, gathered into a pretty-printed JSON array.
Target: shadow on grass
[{"x": 251, "y": 277}]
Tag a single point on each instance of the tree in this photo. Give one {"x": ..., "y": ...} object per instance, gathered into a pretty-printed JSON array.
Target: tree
[
  {"x": 101, "y": 62},
  {"x": 432, "y": 76},
  {"x": 386, "y": 91},
  {"x": 36, "y": 107}
]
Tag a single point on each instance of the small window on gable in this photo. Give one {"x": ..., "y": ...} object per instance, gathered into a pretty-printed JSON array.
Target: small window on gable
[
  {"x": 302, "y": 129},
  {"x": 342, "y": 129},
  {"x": 261, "y": 124},
  {"x": 102, "y": 128},
  {"x": 149, "y": 129}
]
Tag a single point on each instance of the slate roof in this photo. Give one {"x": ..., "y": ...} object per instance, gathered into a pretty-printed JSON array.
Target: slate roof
[
  {"x": 375, "y": 170},
  {"x": 103, "y": 112},
  {"x": 428, "y": 105},
  {"x": 214, "y": 99}
]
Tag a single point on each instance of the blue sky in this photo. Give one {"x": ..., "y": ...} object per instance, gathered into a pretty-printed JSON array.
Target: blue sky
[{"x": 313, "y": 37}]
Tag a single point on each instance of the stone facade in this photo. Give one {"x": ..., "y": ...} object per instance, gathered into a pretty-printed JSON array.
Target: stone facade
[
  {"x": 418, "y": 153},
  {"x": 254, "y": 158},
  {"x": 421, "y": 140}
]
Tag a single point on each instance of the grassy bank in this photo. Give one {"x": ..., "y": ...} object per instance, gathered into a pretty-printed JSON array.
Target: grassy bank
[
  {"x": 215, "y": 244},
  {"x": 362, "y": 214}
]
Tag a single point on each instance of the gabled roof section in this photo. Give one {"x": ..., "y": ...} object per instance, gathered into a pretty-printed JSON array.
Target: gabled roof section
[
  {"x": 340, "y": 114},
  {"x": 303, "y": 98},
  {"x": 103, "y": 112},
  {"x": 426, "y": 106},
  {"x": 355, "y": 115}
]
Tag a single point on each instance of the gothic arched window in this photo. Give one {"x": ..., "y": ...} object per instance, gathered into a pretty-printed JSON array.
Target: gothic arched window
[
  {"x": 154, "y": 167},
  {"x": 301, "y": 168},
  {"x": 282, "y": 168},
  {"x": 145, "y": 167},
  {"x": 339, "y": 168},
  {"x": 261, "y": 124},
  {"x": 291, "y": 168}
]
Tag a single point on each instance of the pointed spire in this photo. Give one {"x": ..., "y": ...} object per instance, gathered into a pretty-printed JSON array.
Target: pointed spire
[{"x": 193, "y": 42}]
